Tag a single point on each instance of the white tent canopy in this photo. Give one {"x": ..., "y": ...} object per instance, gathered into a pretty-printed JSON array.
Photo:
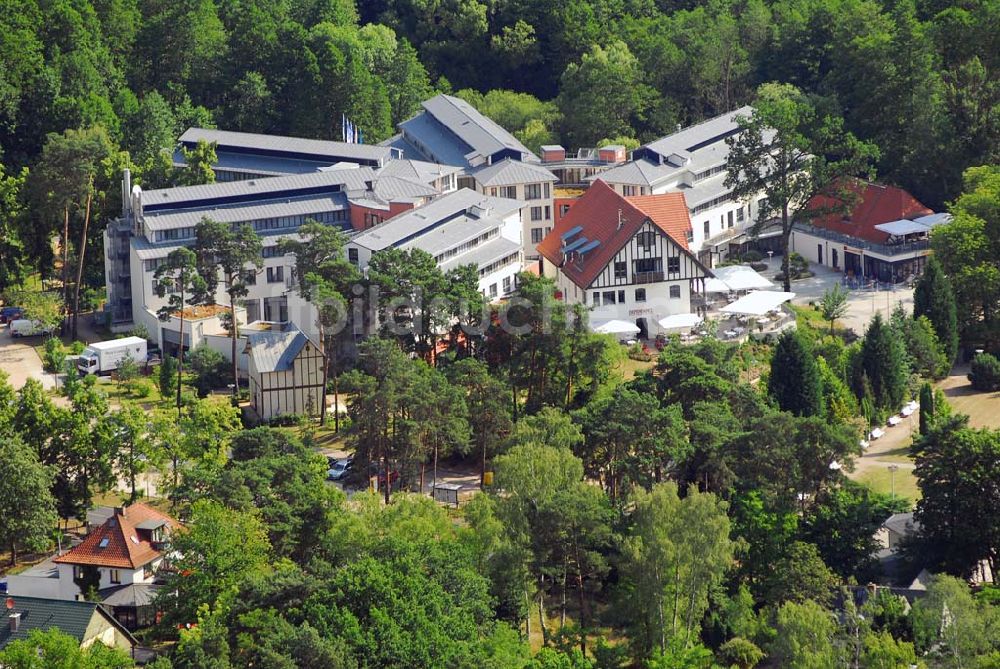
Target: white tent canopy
[
  {"x": 679, "y": 321},
  {"x": 616, "y": 327},
  {"x": 758, "y": 303},
  {"x": 735, "y": 277}
]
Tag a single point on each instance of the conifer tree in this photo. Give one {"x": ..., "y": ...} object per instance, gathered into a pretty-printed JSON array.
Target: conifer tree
[
  {"x": 926, "y": 407},
  {"x": 883, "y": 359},
  {"x": 794, "y": 382},
  {"x": 933, "y": 297}
]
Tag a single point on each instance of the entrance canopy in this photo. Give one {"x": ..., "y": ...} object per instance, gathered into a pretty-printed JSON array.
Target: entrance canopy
[
  {"x": 679, "y": 321},
  {"x": 616, "y": 327},
  {"x": 735, "y": 278},
  {"x": 757, "y": 303}
]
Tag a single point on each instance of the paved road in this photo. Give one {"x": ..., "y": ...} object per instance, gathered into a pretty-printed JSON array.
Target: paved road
[{"x": 19, "y": 359}]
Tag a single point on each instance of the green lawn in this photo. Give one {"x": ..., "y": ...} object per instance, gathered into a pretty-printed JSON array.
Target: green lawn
[{"x": 880, "y": 479}]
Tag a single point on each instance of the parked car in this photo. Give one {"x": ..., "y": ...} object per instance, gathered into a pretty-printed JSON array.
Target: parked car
[
  {"x": 8, "y": 314},
  {"x": 339, "y": 468}
]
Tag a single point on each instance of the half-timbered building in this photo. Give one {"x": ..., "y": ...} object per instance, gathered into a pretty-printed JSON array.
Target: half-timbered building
[
  {"x": 627, "y": 258},
  {"x": 286, "y": 372}
]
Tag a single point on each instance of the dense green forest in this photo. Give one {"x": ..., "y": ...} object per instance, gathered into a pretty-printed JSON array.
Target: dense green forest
[{"x": 919, "y": 81}]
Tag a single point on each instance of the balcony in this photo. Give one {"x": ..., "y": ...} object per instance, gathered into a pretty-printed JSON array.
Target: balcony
[
  {"x": 647, "y": 277},
  {"x": 858, "y": 243}
]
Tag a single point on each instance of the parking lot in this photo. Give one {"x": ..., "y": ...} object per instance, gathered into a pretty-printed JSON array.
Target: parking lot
[{"x": 19, "y": 359}]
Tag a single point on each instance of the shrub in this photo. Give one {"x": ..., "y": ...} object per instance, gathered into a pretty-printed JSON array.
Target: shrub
[
  {"x": 985, "y": 373},
  {"x": 288, "y": 420},
  {"x": 54, "y": 354},
  {"x": 753, "y": 255},
  {"x": 141, "y": 388},
  {"x": 759, "y": 266},
  {"x": 210, "y": 369},
  {"x": 76, "y": 347}
]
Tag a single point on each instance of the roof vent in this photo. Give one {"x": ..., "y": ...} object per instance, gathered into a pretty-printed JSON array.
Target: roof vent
[{"x": 14, "y": 621}]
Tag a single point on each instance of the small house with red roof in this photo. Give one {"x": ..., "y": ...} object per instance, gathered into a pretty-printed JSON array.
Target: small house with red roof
[
  {"x": 627, "y": 258},
  {"x": 885, "y": 236},
  {"x": 118, "y": 561}
]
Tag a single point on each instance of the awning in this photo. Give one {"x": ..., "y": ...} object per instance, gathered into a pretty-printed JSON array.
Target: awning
[
  {"x": 735, "y": 277},
  {"x": 616, "y": 327},
  {"x": 758, "y": 303},
  {"x": 679, "y": 321},
  {"x": 902, "y": 227}
]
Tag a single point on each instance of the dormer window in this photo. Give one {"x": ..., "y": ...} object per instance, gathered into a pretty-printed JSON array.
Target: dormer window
[{"x": 103, "y": 543}]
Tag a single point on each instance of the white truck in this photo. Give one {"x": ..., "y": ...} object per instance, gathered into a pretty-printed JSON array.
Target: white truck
[
  {"x": 23, "y": 327},
  {"x": 103, "y": 357}
]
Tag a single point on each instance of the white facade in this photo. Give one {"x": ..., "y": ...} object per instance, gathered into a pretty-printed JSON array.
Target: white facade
[
  {"x": 57, "y": 581},
  {"x": 286, "y": 373},
  {"x": 624, "y": 290}
]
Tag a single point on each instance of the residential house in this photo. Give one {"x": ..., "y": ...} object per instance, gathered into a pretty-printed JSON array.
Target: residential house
[
  {"x": 118, "y": 561},
  {"x": 530, "y": 182},
  {"x": 87, "y": 622},
  {"x": 460, "y": 228},
  {"x": 246, "y": 155},
  {"x": 885, "y": 236},
  {"x": 286, "y": 372},
  {"x": 692, "y": 161},
  {"x": 627, "y": 258}
]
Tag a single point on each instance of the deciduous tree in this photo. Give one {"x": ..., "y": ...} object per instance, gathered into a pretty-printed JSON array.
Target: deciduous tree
[{"x": 27, "y": 508}]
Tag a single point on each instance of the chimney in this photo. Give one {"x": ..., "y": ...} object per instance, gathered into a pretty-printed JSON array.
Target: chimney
[
  {"x": 126, "y": 190},
  {"x": 123, "y": 511},
  {"x": 620, "y": 221},
  {"x": 14, "y": 621}
]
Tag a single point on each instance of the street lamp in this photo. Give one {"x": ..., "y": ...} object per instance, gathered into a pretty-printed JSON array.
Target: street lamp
[{"x": 892, "y": 479}]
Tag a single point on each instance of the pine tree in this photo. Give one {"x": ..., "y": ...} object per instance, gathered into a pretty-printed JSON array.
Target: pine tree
[
  {"x": 933, "y": 297},
  {"x": 926, "y": 407},
  {"x": 794, "y": 382},
  {"x": 883, "y": 360}
]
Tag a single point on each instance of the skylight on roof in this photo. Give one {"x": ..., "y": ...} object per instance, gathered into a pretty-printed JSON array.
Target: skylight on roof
[{"x": 104, "y": 543}]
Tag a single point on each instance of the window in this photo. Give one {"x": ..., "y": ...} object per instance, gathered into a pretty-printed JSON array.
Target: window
[
  {"x": 609, "y": 297},
  {"x": 729, "y": 219},
  {"x": 275, "y": 274},
  {"x": 533, "y": 192},
  {"x": 536, "y": 213},
  {"x": 147, "y": 571},
  {"x": 564, "y": 209},
  {"x": 508, "y": 192},
  {"x": 707, "y": 226},
  {"x": 628, "y": 191},
  {"x": 621, "y": 297},
  {"x": 621, "y": 270},
  {"x": 597, "y": 299},
  {"x": 649, "y": 265},
  {"x": 78, "y": 574},
  {"x": 548, "y": 193},
  {"x": 645, "y": 239},
  {"x": 506, "y": 284},
  {"x": 253, "y": 310},
  {"x": 276, "y": 309},
  {"x": 739, "y": 215},
  {"x": 493, "y": 290},
  {"x": 675, "y": 292},
  {"x": 115, "y": 575},
  {"x": 250, "y": 277},
  {"x": 493, "y": 192},
  {"x": 548, "y": 212},
  {"x": 536, "y": 235},
  {"x": 674, "y": 265},
  {"x": 352, "y": 256},
  {"x": 640, "y": 294}
]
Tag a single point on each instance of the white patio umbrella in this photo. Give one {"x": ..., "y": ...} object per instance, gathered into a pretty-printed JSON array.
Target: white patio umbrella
[
  {"x": 735, "y": 277},
  {"x": 679, "y": 321},
  {"x": 758, "y": 303},
  {"x": 616, "y": 327}
]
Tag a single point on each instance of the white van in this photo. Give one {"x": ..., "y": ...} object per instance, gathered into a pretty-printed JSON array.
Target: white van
[{"x": 26, "y": 328}]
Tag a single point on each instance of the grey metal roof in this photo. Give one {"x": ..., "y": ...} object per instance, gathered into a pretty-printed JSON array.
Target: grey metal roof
[
  {"x": 237, "y": 213},
  {"x": 345, "y": 178},
  {"x": 420, "y": 170},
  {"x": 147, "y": 250},
  {"x": 509, "y": 171},
  {"x": 325, "y": 149},
  {"x": 639, "y": 172},
  {"x": 433, "y": 141},
  {"x": 69, "y": 617},
  {"x": 478, "y": 131},
  {"x": 261, "y": 165},
  {"x": 398, "y": 228},
  {"x": 410, "y": 151},
  {"x": 455, "y": 232},
  {"x": 687, "y": 139},
  {"x": 394, "y": 188},
  {"x": 275, "y": 351},
  {"x": 902, "y": 523},
  {"x": 484, "y": 254}
]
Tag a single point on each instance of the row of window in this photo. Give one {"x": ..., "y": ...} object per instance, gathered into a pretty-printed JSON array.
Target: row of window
[
  {"x": 609, "y": 297},
  {"x": 711, "y": 172},
  {"x": 531, "y": 191},
  {"x": 647, "y": 265},
  {"x": 265, "y": 224},
  {"x": 503, "y": 262},
  {"x": 466, "y": 246},
  {"x": 725, "y": 220},
  {"x": 538, "y": 234},
  {"x": 711, "y": 204},
  {"x": 508, "y": 285},
  {"x": 630, "y": 191},
  {"x": 541, "y": 213}
]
